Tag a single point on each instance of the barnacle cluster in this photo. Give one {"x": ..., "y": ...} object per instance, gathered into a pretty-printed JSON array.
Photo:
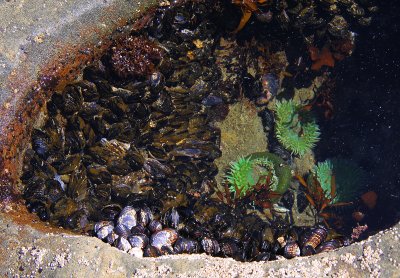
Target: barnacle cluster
[
  {"x": 135, "y": 57},
  {"x": 293, "y": 132}
]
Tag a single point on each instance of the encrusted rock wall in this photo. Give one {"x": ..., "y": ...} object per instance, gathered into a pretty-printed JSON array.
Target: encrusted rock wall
[{"x": 27, "y": 251}]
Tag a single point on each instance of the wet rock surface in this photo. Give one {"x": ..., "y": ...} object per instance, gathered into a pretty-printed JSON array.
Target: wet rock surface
[{"x": 241, "y": 134}]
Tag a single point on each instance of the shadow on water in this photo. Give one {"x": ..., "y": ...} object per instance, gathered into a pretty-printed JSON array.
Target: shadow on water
[{"x": 367, "y": 123}]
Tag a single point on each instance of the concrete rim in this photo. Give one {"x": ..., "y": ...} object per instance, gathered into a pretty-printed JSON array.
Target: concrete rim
[{"x": 54, "y": 40}]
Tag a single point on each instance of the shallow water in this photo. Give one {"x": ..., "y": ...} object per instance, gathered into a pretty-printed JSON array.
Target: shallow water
[{"x": 361, "y": 129}]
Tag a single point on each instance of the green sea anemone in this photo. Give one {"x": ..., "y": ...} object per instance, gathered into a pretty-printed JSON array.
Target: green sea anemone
[
  {"x": 245, "y": 172},
  {"x": 349, "y": 178},
  {"x": 295, "y": 134},
  {"x": 282, "y": 170},
  {"x": 323, "y": 172}
]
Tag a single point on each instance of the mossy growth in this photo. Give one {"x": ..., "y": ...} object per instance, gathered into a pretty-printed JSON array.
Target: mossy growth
[
  {"x": 349, "y": 178},
  {"x": 245, "y": 172},
  {"x": 297, "y": 133}
]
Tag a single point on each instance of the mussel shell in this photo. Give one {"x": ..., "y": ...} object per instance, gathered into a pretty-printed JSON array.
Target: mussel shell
[
  {"x": 119, "y": 167},
  {"x": 270, "y": 84},
  {"x": 312, "y": 239},
  {"x": 102, "y": 192},
  {"x": 98, "y": 174},
  {"x": 78, "y": 220},
  {"x": 156, "y": 80},
  {"x": 229, "y": 248},
  {"x": 120, "y": 192},
  {"x": 156, "y": 169},
  {"x": 110, "y": 211},
  {"x": 291, "y": 250},
  {"x": 41, "y": 143},
  {"x": 166, "y": 237},
  {"x": 138, "y": 240},
  {"x": 328, "y": 246},
  {"x": 167, "y": 250},
  {"x": 88, "y": 90},
  {"x": 103, "y": 87},
  {"x": 94, "y": 71},
  {"x": 64, "y": 207},
  {"x": 128, "y": 217},
  {"x": 123, "y": 131},
  {"x": 267, "y": 118},
  {"x": 122, "y": 244},
  {"x": 264, "y": 256},
  {"x": 122, "y": 230},
  {"x": 308, "y": 250},
  {"x": 186, "y": 246},
  {"x": 38, "y": 207},
  {"x": 210, "y": 246},
  {"x": 356, "y": 10},
  {"x": 55, "y": 104},
  {"x": 155, "y": 226},
  {"x": 151, "y": 251},
  {"x": 134, "y": 158},
  {"x": 145, "y": 216},
  {"x": 43, "y": 170},
  {"x": 171, "y": 218},
  {"x": 78, "y": 185},
  {"x": 75, "y": 141},
  {"x": 90, "y": 110},
  {"x": 103, "y": 228},
  {"x": 72, "y": 99},
  {"x": 338, "y": 27},
  {"x": 117, "y": 106},
  {"x": 54, "y": 189},
  {"x": 67, "y": 165},
  {"x": 108, "y": 150},
  {"x": 163, "y": 103},
  {"x": 112, "y": 237},
  {"x": 138, "y": 111},
  {"x": 139, "y": 229}
]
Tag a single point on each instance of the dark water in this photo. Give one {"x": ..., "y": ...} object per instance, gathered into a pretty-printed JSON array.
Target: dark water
[{"x": 366, "y": 123}]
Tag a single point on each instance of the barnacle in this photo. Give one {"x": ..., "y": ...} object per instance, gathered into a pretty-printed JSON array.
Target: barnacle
[
  {"x": 134, "y": 57},
  {"x": 295, "y": 134}
]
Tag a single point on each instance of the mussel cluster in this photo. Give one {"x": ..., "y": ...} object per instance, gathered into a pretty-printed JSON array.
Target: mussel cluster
[
  {"x": 138, "y": 127},
  {"x": 127, "y": 153},
  {"x": 138, "y": 232},
  {"x": 317, "y": 18},
  {"x": 311, "y": 241}
]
